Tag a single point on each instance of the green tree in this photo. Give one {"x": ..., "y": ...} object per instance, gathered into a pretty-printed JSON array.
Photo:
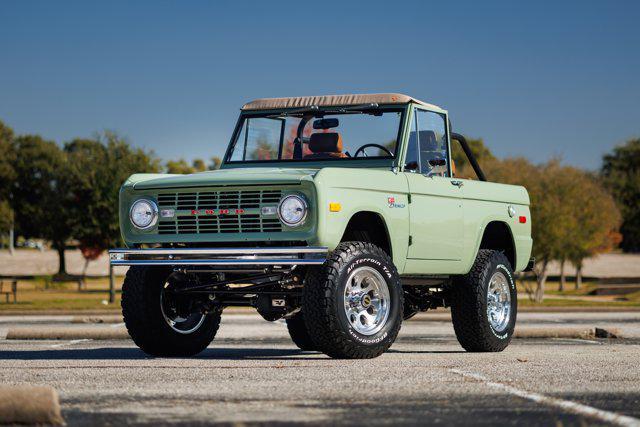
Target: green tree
[
  {"x": 544, "y": 197},
  {"x": 6, "y": 217},
  {"x": 549, "y": 218},
  {"x": 199, "y": 165},
  {"x": 263, "y": 151},
  {"x": 567, "y": 187},
  {"x": 596, "y": 220},
  {"x": 572, "y": 215},
  {"x": 97, "y": 169},
  {"x": 7, "y": 159},
  {"x": 215, "y": 163},
  {"x": 179, "y": 167},
  {"x": 41, "y": 199},
  {"x": 621, "y": 174},
  {"x": 7, "y": 176},
  {"x": 461, "y": 164},
  {"x": 182, "y": 167}
]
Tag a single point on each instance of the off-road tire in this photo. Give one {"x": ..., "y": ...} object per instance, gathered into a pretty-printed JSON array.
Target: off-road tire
[
  {"x": 146, "y": 324},
  {"x": 323, "y": 303},
  {"x": 298, "y": 332},
  {"x": 469, "y": 304}
]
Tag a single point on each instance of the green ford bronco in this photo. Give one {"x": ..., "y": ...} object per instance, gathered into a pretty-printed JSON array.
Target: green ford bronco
[{"x": 341, "y": 215}]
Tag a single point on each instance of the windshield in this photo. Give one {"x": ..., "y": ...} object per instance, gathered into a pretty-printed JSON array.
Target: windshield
[{"x": 339, "y": 135}]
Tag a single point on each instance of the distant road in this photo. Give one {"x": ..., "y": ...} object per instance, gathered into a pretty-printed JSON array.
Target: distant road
[
  {"x": 604, "y": 266},
  {"x": 34, "y": 262}
]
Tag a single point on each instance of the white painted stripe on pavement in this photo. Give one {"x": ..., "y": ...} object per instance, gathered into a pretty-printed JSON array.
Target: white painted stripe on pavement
[
  {"x": 72, "y": 342},
  {"x": 582, "y": 340},
  {"x": 576, "y": 408}
]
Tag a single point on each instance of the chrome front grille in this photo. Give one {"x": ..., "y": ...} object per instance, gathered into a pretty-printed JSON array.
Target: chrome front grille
[
  {"x": 219, "y": 212},
  {"x": 246, "y": 199}
]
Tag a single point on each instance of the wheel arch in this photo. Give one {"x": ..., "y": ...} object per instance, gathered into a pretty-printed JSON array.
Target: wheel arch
[
  {"x": 370, "y": 227},
  {"x": 497, "y": 235}
]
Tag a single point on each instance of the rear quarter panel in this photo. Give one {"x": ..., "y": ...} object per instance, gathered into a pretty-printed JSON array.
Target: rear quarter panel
[{"x": 485, "y": 202}]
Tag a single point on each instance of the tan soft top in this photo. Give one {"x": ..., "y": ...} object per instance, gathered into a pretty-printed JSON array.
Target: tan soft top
[{"x": 333, "y": 101}]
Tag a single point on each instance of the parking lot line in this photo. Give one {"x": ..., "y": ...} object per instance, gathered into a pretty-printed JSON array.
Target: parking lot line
[
  {"x": 577, "y": 408},
  {"x": 72, "y": 342},
  {"x": 582, "y": 340}
]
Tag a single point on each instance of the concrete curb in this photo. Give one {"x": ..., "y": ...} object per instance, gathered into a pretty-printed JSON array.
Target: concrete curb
[
  {"x": 28, "y": 333},
  {"x": 115, "y": 318},
  {"x": 29, "y": 405}
]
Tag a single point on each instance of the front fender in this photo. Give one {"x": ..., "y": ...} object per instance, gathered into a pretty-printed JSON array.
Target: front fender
[{"x": 357, "y": 190}]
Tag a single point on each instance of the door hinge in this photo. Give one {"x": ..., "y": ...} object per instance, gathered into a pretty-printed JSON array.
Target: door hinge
[
  {"x": 409, "y": 198},
  {"x": 410, "y": 240}
]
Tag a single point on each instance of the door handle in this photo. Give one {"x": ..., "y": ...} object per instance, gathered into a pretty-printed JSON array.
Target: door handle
[{"x": 457, "y": 183}]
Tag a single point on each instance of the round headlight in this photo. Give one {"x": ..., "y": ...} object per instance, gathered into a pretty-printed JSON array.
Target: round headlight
[
  {"x": 143, "y": 214},
  {"x": 292, "y": 210}
]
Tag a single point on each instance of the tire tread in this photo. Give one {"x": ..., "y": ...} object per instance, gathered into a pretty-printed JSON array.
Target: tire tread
[
  {"x": 468, "y": 305},
  {"x": 322, "y": 321},
  {"x": 144, "y": 322}
]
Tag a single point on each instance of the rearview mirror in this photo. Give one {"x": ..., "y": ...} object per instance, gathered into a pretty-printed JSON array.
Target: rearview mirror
[
  {"x": 437, "y": 162},
  {"x": 325, "y": 123}
]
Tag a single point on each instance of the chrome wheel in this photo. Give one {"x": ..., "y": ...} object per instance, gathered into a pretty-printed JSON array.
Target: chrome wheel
[
  {"x": 366, "y": 300},
  {"x": 182, "y": 325},
  {"x": 499, "y": 302}
]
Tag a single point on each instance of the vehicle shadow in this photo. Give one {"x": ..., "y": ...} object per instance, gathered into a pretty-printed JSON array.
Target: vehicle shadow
[
  {"x": 131, "y": 353},
  {"x": 128, "y": 353},
  {"x": 426, "y": 351}
]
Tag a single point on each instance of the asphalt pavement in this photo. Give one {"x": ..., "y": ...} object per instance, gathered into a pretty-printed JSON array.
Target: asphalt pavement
[{"x": 252, "y": 374}]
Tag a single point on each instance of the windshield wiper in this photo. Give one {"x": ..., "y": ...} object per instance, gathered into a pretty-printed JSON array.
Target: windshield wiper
[
  {"x": 371, "y": 106},
  {"x": 310, "y": 109},
  {"x": 361, "y": 109}
]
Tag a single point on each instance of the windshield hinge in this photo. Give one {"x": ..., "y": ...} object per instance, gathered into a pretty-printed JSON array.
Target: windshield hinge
[{"x": 410, "y": 240}]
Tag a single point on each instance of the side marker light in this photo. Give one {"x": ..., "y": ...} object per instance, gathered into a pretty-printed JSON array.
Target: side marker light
[{"x": 335, "y": 207}]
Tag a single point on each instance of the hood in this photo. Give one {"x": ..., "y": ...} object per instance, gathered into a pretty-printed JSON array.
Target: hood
[{"x": 226, "y": 177}]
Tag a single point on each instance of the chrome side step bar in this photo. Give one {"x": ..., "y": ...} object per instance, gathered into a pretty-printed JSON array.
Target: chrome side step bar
[{"x": 306, "y": 255}]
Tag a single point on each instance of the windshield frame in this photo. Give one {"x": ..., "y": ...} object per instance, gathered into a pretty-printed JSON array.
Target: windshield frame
[{"x": 371, "y": 161}]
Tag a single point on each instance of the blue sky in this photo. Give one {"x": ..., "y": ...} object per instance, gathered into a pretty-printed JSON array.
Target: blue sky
[{"x": 536, "y": 79}]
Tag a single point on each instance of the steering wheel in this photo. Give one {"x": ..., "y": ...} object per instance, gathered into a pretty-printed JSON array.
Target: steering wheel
[{"x": 365, "y": 146}]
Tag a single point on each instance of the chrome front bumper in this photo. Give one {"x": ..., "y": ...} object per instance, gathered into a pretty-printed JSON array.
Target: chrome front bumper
[{"x": 306, "y": 255}]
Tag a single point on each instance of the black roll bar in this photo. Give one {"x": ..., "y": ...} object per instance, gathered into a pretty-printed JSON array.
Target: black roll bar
[{"x": 472, "y": 159}]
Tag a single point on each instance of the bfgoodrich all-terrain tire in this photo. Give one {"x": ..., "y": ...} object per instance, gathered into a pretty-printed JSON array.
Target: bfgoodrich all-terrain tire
[
  {"x": 298, "y": 332},
  {"x": 150, "y": 324},
  {"x": 484, "y": 304},
  {"x": 353, "y": 303}
]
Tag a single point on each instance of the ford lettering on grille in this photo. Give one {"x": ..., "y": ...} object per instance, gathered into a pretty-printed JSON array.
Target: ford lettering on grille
[{"x": 219, "y": 212}]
